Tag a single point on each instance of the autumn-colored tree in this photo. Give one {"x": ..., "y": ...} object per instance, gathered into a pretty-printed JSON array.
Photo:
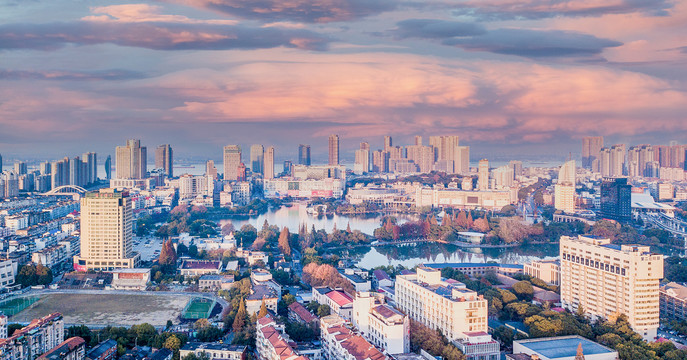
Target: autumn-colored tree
[
  {"x": 433, "y": 220},
  {"x": 258, "y": 244},
  {"x": 172, "y": 343},
  {"x": 227, "y": 229},
  {"x": 469, "y": 221},
  {"x": 446, "y": 221},
  {"x": 426, "y": 228},
  {"x": 462, "y": 220},
  {"x": 325, "y": 275},
  {"x": 167, "y": 254},
  {"x": 348, "y": 228},
  {"x": 263, "y": 310},
  {"x": 481, "y": 224},
  {"x": 396, "y": 232},
  {"x": 201, "y": 324},
  {"x": 240, "y": 319},
  {"x": 284, "y": 237}
]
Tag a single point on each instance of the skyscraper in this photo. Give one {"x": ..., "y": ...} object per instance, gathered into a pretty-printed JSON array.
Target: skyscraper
[
  {"x": 232, "y": 160},
  {"x": 333, "y": 149},
  {"x": 483, "y": 175},
  {"x": 269, "y": 163},
  {"x": 418, "y": 140},
  {"x": 304, "y": 154},
  {"x": 164, "y": 159},
  {"x": 20, "y": 168},
  {"x": 0, "y": 163},
  {"x": 388, "y": 143},
  {"x": 210, "y": 169},
  {"x": 517, "y": 167},
  {"x": 75, "y": 174},
  {"x": 362, "y": 159},
  {"x": 108, "y": 167},
  {"x": 564, "y": 191},
  {"x": 131, "y": 160},
  {"x": 380, "y": 161},
  {"x": 463, "y": 166},
  {"x": 612, "y": 161},
  {"x": 257, "y": 159},
  {"x": 591, "y": 146},
  {"x": 446, "y": 148},
  {"x": 90, "y": 160},
  {"x": 106, "y": 232},
  {"x": 616, "y": 197}
]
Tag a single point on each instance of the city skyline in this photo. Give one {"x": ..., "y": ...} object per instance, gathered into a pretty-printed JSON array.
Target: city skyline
[{"x": 507, "y": 79}]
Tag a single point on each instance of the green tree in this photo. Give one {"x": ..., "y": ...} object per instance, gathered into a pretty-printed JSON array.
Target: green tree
[
  {"x": 240, "y": 319},
  {"x": 323, "y": 310},
  {"x": 172, "y": 343},
  {"x": 524, "y": 290}
]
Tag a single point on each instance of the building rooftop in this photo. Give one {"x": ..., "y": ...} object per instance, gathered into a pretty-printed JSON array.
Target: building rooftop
[
  {"x": 472, "y": 265},
  {"x": 340, "y": 298},
  {"x": 193, "y": 346},
  {"x": 563, "y": 346},
  {"x": 101, "y": 348},
  {"x": 200, "y": 264},
  {"x": 302, "y": 312},
  {"x": 260, "y": 292},
  {"x": 61, "y": 350},
  {"x": 676, "y": 290},
  {"x": 354, "y": 278},
  {"x": 380, "y": 274}
]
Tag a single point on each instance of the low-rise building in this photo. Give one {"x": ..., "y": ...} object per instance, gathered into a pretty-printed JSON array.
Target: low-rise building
[
  {"x": 384, "y": 326},
  {"x": 562, "y": 348},
  {"x": 106, "y": 350},
  {"x": 478, "y": 346},
  {"x": 480, "y": 269},
  {"x": 359, "y": 283},
  {"x": 130, "y": 279},
  {"x": 214, "y": 350},
  {"x": 73, "y": 348},
  {"x": 338, "y": 301},
  {"x": 298, "y": 313},
  {"x": 215, "y": 282},
  {"x": 548, "y": 271},
  {"x": 260, "y": 293},
  {"x": 51, "y": 257},
  {"x": 191, "y": 267},
  {"x": 381, "y": 279}
]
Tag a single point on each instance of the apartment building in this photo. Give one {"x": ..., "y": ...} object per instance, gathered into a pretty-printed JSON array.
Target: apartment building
[
  {"x": 273, "y": 344},
  {"x": 445, "y": 305},
  {"x": 548, "y": 271},
  {"x": 608, "y": 280},
  {"x": 37, "y": 338},
  {"x": 673, "y": 300},
  {"x": 384, "y": 326},
  {"x": 73, "y": 348},
  {"x": 338, "y": 301},
  {"x": 214, "y": 350},
  {"x": 8, "y": 270},
  {"x": 340, "y": 343}
]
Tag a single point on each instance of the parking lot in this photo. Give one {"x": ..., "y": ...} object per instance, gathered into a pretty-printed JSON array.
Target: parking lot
[{"x": 148, "y": 246}]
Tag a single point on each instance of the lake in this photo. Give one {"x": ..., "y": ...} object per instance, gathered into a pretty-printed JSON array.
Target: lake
[{"x": 292, "y": 217}]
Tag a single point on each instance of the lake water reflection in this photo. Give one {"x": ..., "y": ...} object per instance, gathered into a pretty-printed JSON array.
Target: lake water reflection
[{"x": 292, "y": 217}]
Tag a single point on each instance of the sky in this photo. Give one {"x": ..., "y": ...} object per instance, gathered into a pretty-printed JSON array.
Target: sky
[{"x": 512, "y": 78}]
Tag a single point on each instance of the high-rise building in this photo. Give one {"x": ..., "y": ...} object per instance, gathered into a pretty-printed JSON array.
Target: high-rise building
[
  {"x": 232, "y": 160},
  {"x": 607, "y": 280},
  {"x": 483, "y": 175},
  {"x": 564, "y": 191},
  {"x": 45, "y": 168},
  {"x": 131, "y": 160},
  {"x": 210, "y": 169},
  {"x": 517, "y": 168},
  {"x": 106, "y": 232},
  {"x": 268, "y": 165},
  {"x": 362, "y": 159},
  {"x": 333, "y": 149},
  {"x": 380, "y": 161},
  {"x": 422, "y": 156},
  {"x": 418, "y": 140},
  {"x": 638, "y": 158},
  {"x": 591, "y": 146},
  {"x": 446, "y": 148},
  {"x": 612, "y": 160},
  {"x": 304, "y": 154},
  {"x": 90, "y": 160},
  {"x": 164, "y": 159},
  {"x": 288, "y": 165},
  {"x": 388, "y": 143},
  {"x": 257, "y": 159},
  {"x": 616, "y": 197},
  {"x": 75, "y": 173},
  {"x": 0, "y": 163},
  {"x": 108, "y": 167},
  {"x": 20, "y": 168},
  {"x": 503, "y": 176},
  {"x": 463, "y": 166}
]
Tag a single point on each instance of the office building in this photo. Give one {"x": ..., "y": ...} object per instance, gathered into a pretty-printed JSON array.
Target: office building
[
  {"x": 333, "y": 149},
  {"x": 616, "y": 199},
  {"x": 304, "y": 154},
  {"x": 164, "y": 159},
  {"x": 257, "y": 157},
  {"x": 268, "y": 165},
  {"x": 483, "y": 175},
  {"x": 232, "y": 161},
  {"x": 106, "y": 232},
  {"x": 131, "y": 160},
  {"x": 607, "y": 280},
  {"x": 446, "y": 306},
  {"x": 591, "y": 147},
  {"x": 108, "y": 167}
]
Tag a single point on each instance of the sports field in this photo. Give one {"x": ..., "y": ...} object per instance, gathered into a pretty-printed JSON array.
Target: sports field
[
  {"x": 198, "y": 309},
  {"x": 107, "y": 309}
]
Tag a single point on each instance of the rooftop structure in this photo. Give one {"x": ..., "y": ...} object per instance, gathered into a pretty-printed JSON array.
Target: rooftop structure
[{"x": 563, "y": 348}]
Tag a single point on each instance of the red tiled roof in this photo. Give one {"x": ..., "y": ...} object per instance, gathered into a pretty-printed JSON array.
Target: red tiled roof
[
  {"x": 302, "y": 312},
  {"x": 361, "y": 349},
  {"x": 339, "y": 297}
]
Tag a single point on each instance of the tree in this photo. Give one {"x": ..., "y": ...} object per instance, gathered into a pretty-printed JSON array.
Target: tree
[
  {"x": 263, "y": 310},
  {"x": 193, "y": 250},
  {"x": 240, "y": 319},
  {"x": 227, "y": 229},
  {"x": 284, "y": 237},
  {"x": 524, "y": 290},
  {"x": 201, "y": 324},
  {"x": 172, "y": 343},
  {"x": 323, "y": 310},
  {"x": 167, "y": 254}
]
